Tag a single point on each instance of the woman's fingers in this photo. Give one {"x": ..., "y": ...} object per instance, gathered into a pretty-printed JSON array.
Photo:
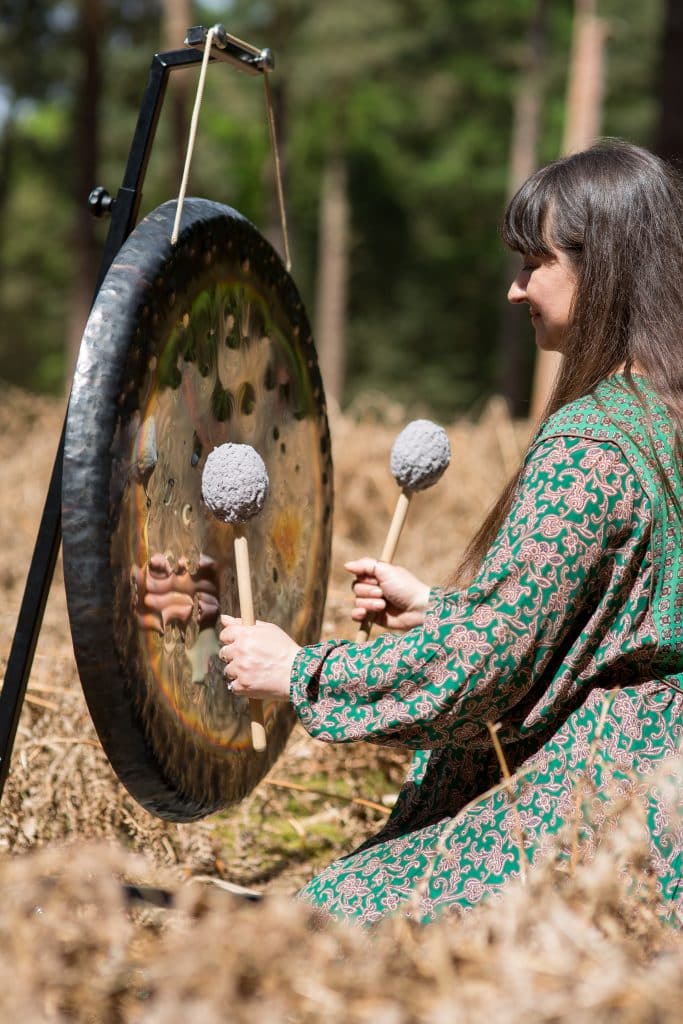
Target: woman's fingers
[
  {"x": 363, "y": 589},
  {"x": 230, "y": 627},
  {"x": 359, "y": 611},
  {"x": 366, "y": 588},
  {"x": 372, "y": 603},
  {"x": 362, "y": 567},
  {"x": 368, "y": 594}
]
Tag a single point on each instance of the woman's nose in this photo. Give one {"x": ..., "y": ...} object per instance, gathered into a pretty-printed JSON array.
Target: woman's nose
[{"x": 517, "y": 290}]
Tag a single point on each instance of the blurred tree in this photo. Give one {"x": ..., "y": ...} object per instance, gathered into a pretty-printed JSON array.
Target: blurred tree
[
  {"x": 21, "y": 80},
  {"x": 89, "y": 35},
  {"x": 669, "y": 130},
  {"x": 345, "y": 46},
  {"x": 428, "y": 194},
  {"x": 583, "y": 118},
  {"x": 49, "y": 58},
  {"x": 32, "y": 150},
  {"x": 177, "y": 17},
  {"x": 333, "y": 274},
  {"x": 513, "y": 366},
  {"x": 412, "y": 98}
]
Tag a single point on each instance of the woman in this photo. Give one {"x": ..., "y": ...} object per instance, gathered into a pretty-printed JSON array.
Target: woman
[{"x": 568, "y": 608}]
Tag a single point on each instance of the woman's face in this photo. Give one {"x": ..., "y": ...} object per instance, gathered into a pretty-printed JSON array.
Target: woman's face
[{"x": 548, "y": 285}]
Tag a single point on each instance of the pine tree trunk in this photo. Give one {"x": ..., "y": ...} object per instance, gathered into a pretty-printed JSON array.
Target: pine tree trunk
[
  {"x": 514, "y": 358},
  {"x": 177, "y": 18},
  {"x": 669, "y": 137},
  {"x": 7, "y": 151},
  {"x": 582, "y": 127},
  {"x": 85, "y": 162},
  {"x": 333, "y": 272}
]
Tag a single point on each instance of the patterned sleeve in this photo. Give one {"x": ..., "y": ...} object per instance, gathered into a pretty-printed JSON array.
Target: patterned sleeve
[{"x": 579, "y": 510}]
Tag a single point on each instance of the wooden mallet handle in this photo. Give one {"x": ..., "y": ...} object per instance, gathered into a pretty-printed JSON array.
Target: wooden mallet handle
[
  {"x": 388, "y": 552},
  {"x": 258, "y": 727}
]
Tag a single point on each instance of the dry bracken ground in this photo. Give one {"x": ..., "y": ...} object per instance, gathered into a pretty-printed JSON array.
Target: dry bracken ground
[{"x": 584, "y": 944}]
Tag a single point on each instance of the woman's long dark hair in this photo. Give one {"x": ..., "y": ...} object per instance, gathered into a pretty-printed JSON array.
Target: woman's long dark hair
[{"x": 616, "y": 210}]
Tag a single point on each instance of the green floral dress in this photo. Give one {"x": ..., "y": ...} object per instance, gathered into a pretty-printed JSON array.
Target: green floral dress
[{"x": 575, "y": 618}]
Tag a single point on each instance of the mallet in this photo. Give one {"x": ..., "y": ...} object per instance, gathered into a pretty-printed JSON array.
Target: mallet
[
  {"x": 234, "y": 487},
  {"x": 419, "y": 456}
]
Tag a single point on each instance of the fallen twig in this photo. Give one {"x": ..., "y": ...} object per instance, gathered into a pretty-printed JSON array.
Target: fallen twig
[
  {"x": 493, "y": 732},
  {"x": 41, "y": 702},
  {"x": 50, "y": 741},
  {"x": 361, "y": 801},
  {"x": 46, "y": 688}
]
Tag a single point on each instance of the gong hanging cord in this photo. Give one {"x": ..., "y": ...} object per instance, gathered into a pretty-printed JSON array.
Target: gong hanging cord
[
  {"x": 276, "y": 163},
  {"x": 214, "y": 30},
  {"x": 193, "y": 133}
]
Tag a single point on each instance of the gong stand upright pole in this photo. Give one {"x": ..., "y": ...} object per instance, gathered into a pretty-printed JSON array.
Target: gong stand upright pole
[{"x": 123, "y": 210}]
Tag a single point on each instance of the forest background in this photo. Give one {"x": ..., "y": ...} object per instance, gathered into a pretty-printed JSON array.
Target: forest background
[
  {"x": 403, "y": 127},
  {"x": 398, "y": 124}
]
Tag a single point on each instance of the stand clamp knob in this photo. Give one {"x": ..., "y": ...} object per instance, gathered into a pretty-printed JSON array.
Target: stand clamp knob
[{"x": 100, "y": 202}]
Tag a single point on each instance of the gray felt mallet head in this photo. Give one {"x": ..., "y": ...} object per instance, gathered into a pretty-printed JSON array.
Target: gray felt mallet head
[
  {"x": 234, "y": 483},
  {"x": 419, "y": 457},
  {"x": 234, "y": 488}
]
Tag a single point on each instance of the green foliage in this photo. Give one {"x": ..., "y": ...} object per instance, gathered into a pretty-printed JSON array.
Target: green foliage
[
  {"x": 35, "y": 272},
  {"x": 417, "y": 96}
]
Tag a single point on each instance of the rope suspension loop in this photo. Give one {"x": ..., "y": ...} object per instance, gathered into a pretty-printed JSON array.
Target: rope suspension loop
[
  {"x": 218, "y": 31},
  {"x": 193, "y": 133}
]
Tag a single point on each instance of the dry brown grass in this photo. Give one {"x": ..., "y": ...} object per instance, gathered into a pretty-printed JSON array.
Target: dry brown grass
[{"x": 585, "y": 947}]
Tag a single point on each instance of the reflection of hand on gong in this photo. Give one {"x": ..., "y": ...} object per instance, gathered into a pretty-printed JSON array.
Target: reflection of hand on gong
[
  {"x": 164, "y": 596},
  {"x": 234, "y": 487}
]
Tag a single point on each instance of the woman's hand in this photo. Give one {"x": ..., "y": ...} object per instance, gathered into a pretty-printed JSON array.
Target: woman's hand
[
  {"x": 258, "y": 659},
  {"x": 392, "y": 595}
]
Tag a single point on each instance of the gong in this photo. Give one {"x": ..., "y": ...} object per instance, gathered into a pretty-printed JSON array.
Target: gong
[{"x": 188, "y": 347}]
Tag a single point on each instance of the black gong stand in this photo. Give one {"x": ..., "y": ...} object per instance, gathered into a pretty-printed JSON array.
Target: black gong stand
[{"x": 124, "y": 212}]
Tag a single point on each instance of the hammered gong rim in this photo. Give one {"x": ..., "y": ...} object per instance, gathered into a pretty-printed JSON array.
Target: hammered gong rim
[{"x": 187, "y": 347}]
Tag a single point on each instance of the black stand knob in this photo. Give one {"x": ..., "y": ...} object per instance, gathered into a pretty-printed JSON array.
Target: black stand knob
[{"x": 100, "y": 202}]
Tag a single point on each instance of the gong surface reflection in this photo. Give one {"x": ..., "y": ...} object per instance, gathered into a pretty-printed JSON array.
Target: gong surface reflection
[{"x": 185, "y": 349}]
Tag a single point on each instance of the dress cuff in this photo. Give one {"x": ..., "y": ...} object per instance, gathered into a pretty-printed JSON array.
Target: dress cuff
[{"x": 305, "y": 678}]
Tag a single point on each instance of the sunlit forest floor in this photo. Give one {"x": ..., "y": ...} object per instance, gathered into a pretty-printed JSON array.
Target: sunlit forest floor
[{"x": 579, "y": 946}]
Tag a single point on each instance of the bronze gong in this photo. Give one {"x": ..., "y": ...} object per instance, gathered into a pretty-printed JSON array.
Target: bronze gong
[{"x": 187, "y": 347}]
